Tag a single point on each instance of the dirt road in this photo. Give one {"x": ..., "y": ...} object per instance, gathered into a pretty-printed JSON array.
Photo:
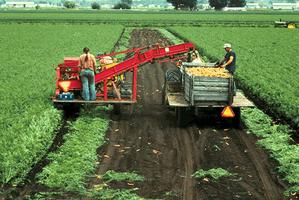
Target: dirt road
[{"x": 144, "y": 138}]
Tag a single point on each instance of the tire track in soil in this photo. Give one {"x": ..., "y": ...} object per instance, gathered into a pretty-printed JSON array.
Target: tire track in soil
[{"x": 152, "y": 145}]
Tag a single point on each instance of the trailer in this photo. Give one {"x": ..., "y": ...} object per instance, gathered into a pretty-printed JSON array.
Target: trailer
[{"x": 196, "y": 96}]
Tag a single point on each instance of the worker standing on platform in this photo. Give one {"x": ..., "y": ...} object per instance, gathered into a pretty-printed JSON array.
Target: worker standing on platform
[
  {"x": 229, "y": 60},
  {"x": 88, "y": 68}
]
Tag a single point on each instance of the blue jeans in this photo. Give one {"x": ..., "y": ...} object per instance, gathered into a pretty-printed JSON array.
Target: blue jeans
[{"x": 88, "y": 85}]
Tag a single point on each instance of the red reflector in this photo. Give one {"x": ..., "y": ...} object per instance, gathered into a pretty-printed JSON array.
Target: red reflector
[
  {"x": 64, "y": 85},
  {"x": 227, "y": 112}
]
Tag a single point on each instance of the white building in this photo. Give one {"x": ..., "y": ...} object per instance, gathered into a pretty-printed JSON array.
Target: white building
[
  {"x": 204, "y": 6},
  {"x": 285, "y": 6},
  {"x": 47, "y": 5},
  {"x": 253, "y": 5},
  {"x": 24, "y": 4},
  {"x": 234, "y": 9}
]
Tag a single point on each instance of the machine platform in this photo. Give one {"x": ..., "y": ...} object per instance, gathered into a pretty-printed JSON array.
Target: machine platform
[
  {"x": 178, "y": 100},
  {"x": 98, "y": 101}
]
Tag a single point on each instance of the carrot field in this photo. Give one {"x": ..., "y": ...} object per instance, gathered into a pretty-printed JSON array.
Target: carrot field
[
  {"x": 28, "y": 118},
  {"x": 141, "y": 153},
  {"x": 137, "y": 18}
]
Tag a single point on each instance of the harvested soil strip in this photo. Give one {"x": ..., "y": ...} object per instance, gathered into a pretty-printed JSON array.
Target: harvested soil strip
[{"x": 144, "y": 138}]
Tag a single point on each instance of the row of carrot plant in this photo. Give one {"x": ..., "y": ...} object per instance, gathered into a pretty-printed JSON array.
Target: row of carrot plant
[
  {"x": 28, "y": 119},
  {"x": 276, "y": 139},
  {"x": 77, "y": 157}
]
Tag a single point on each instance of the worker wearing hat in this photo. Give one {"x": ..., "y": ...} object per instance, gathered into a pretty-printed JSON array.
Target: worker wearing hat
[{"x": 229, "y": 60}]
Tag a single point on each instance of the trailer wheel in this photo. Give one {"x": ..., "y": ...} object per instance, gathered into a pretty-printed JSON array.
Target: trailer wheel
[
  {"x": 164, "y": 96},
  {"x": 173, "y": 75},
  {"x": 116, "y": 109},
  {"x": 237, "y": 119},
  {"x": 181, "y": 116},
  {"x": 234, "y": 122}
]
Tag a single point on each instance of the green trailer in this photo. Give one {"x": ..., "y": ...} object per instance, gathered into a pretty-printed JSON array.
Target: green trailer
[{"x": 190, "y": 95}]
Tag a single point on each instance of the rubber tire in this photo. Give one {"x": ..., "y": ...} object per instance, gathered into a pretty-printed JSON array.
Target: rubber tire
[
  {"x": 237, "y": 119},
  {"x": 163, "y": 96},
  {"x": 173, "y": 75},
  {"x": 234, "y": 122},
  {"x": 181, "y": 116}
]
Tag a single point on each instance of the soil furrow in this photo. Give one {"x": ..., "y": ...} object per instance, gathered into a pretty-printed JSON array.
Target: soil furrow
[{"x": 167, "y": 156}]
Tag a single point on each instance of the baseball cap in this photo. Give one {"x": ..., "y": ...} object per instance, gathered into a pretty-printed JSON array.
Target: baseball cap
[{"x": 227, "y": 45}]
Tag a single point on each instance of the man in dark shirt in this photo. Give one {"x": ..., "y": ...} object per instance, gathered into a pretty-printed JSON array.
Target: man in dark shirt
[{"x": 229, "y": 60}]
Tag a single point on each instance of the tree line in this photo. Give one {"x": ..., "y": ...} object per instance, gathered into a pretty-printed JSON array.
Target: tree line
[
  {"x": 217, "y": 4},
  {"x": 123, "y": 4},
  {"x": 178, "y": 4}
]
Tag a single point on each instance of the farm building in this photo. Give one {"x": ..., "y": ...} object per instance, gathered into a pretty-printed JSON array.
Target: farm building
[
  {"x": 285, "y": 6},
  {"x": 253, "y": 5},
  {"x": 15, "y": 4},
  {"x": 47, "y": 5},
  {"x": 204, "y": 6},
  {"x": 234, "y": 9}
]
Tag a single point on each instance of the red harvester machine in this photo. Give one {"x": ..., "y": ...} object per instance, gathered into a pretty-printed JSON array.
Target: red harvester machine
[{"x": 116, "y": 83}]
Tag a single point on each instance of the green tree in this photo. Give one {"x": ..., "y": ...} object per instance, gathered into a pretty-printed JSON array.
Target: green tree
[
  {"x": 218, "y": 4},
  {"x": 236, "y": 3},
  {"x": 122, "y": 6},
  {"x": 128, "y": 2},
  {"x": 69, "y": 4},
  {"x": 95, "y": 5},
  {"x": 179, "y": 4}
]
